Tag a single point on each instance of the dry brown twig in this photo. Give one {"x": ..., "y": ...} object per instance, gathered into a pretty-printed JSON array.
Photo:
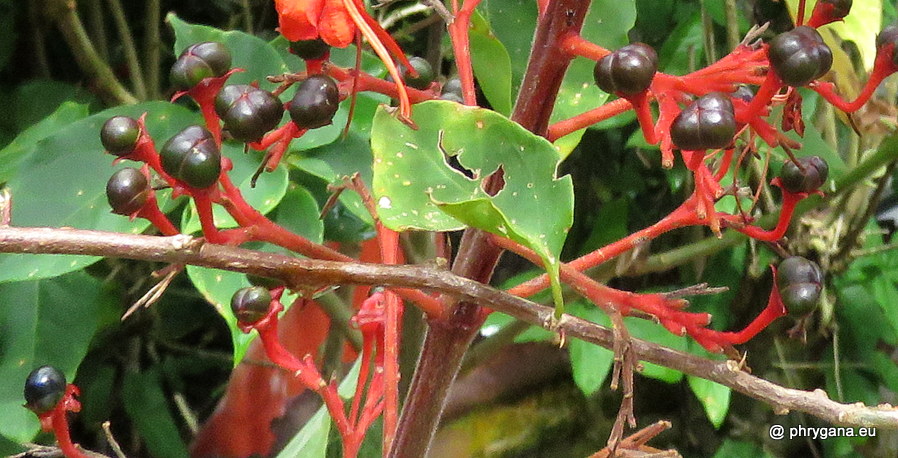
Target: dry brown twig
[{"x": 298, "y": 272}]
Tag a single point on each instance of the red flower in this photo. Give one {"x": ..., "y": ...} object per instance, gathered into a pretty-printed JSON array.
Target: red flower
[{"x": 309, "y": 19}]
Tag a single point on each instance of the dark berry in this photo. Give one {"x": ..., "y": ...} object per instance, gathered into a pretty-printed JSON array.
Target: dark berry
[
  {"x": 799, "y": 56},
  {"x": 628, "y": 71},
  {"x": 199, "y": 61},
  {"x": 310, "y": 49},
  {"x": 127, "y": 191},
  {"x": 192, "y": 157},
  {"x": 424, "y": 70},
  {"x": 808, "y": 175},
  {"x": 889, "y": 36},
  {"x": 452, "y": 91},
  {"x": 706, "y": 123},
  {"x": 264, "y": 282},
  {"x": 44, "y": 388},
  {"x": 315, "y": 103},
  {"x": 248, "y": 113},
  {"x": 119, "y": 135},
  {"x": 250, "y": 304},
  {"x": 799, "y": 281}
]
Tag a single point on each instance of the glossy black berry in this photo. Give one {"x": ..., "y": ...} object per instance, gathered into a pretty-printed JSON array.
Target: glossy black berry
[
  {"x": 799, "y": 56},
  {"x": 707, "y": 123},
  {"x": 315, "y": 103},
  {"x": 310, "y": 49},
  {"x": 250, "y": 304},
  {"x": 44, "y": 388},
  {"x": 248, "y": 112},
  {"x": 799, "y": 281},
  {"x": 192, "y": 157},
  {"x": 199, "y": 61},
  {"x": 264, "y": 282},
  {"x": 889, "y": 36},
  {"x": 119, "y": 135},
  {"x": 628, "y": 71},
  {"x": 807, "y": 176},
  {"x": 127, "y": 191}
]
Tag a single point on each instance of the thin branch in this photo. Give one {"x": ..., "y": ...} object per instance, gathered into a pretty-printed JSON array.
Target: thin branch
[
  {"x": 124, "y": 34},
  {"x": 68, "y": 22},
  {"x": 296, "y": 271}
]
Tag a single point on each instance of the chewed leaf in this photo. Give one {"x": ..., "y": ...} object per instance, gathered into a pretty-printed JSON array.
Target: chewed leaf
[{"x": 432, "y": 178}]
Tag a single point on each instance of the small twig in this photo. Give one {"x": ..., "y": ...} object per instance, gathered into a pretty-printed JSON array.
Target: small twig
[
  {"x": 168, "y": 274},
  {"x": 189, "y": 417},
  {"x": 637, "y": 441},
  {"x": 127, "y": 39},
  {"x": 5, "y": 207},
  {"x": 110, "y": 439},
  {"x": 701, "y": 289},
  {"x": 624, "y": 365},
  {"x": 440, "y": 9}
]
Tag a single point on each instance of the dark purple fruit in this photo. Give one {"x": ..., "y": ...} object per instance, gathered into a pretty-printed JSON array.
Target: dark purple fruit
[
  {"x": 199, "y": 61},
  {"x": 889, "y": 36},
  {"x": 248, "y": 112},
  {"x": 192, "y": 157},
  {"x": 628, "y": 71},
  {"x": 707, "y": 123},
  {"x": 807, "y": 176},
  {"x": 119, "y": 135},
  {"x": 799, "y": 281},
  {"x": 315, "y": 103},
  {"x": 799, "y": 56},
  {"x": 250, "y": 304},
  {"x": 310, "y": 49},
  {"x": 127, "y": 191},
  {"x": 44, "y": 388}
]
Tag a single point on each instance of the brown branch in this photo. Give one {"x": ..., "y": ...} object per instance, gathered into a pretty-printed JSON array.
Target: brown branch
[{"x": 189, "y": 250}]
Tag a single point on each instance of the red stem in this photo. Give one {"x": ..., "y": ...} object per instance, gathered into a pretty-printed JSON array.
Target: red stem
[
  {"x": 882, "y": 68},
  {"x": 574, "y": 45},
  {"x": 461, "y": 45}
]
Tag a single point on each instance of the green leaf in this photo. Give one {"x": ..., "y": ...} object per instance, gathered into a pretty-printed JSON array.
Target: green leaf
[
  {"x": 146, "y": 405},
  {"x": 492, "y": 65},
  {"x": 590, "y": 363},
  {"x": 715, "y": 398},
  {"x": 740, "y": 449},
  {"x": 726, "y": 268},
  {"x": 416, "y": 188},
  {"x": 270, "y": 189},
  {"x": 297, "y": 212},
  {"x": 654, "y": 332},
  {"x": 311, "y": 440},
  {"x": 26, "y": 142},
  {"x": 43, "y": 324},
  {"x": 70, "y": 166}
]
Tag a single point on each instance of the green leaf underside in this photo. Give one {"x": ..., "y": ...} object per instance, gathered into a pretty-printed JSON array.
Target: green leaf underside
[
  {"x": 43, "y": 325},
  {"x": 415, "y": 187}
]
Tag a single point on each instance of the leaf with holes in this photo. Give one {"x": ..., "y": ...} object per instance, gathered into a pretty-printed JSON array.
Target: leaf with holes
[{"x": 432, "y": 178}]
